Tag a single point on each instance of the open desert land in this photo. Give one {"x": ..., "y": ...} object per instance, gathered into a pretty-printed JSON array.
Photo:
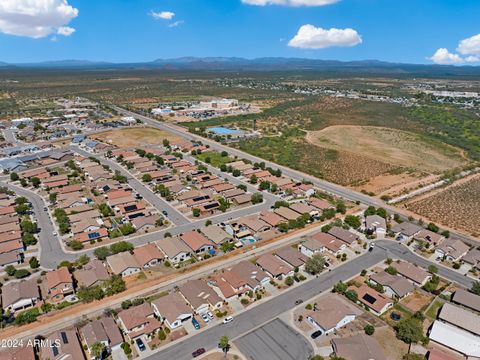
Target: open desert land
[
  {"x": 127, "y": 138},
  {"x": 392, "y": 146},
  {"x": 455, "y": 206}
]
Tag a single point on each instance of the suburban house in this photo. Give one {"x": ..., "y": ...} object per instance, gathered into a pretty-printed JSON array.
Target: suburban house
[
  {"x": 216, "y": 234},
  {"x": 200, "y": 296},
  {"x": 330, "y": 243},
  {"x": 93, "y": 273},
  {"x": 375, "y": 224},
  {"x": 148, "y": 255},
  {"x": 138, "y": 321},
  {"x": 405, "y": 231},
  {"x": 358, "y": 347},
  {"x": 197, "y": 242},
  {"x": 429, "y": 237},
  {"x": 123, "y": 264},
  {"x": 344, "y": 235},
  {"x": 311, "y": 247},
  {"x": 394, "y": 286},
  {"x": 172, "y": 309},
  {"x": 19, "y": 295},
  {"x": 413, "y": 273},
  {"x": 472, "y": 258},
  {"x": 104, "y": 331},
  {"x": 376, "y": 302},
  {"x": 455, "y": 338},
  {"x": 254, "y": 277},
  {"x": 59, "y": 284},
  {"x": 330, "y": 314},
  {"x": 65, "y": 345},
  {"x": 291, "y": 256},
  {"x": 467, "y": 299},
  {"x": 460, "y": 317},
  {"x": 273, "y": 266},
  {"x": 175, "y": 250},
  {"x": 452, "y": 249},
  {"x": 18, "y": 353}
]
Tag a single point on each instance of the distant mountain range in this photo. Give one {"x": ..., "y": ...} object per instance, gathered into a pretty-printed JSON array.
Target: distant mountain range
[{"x": 260, "y": 64}]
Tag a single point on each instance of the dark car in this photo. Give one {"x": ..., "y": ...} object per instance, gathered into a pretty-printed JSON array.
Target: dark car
[
  {"x": 316, "y": 334},
  {"x": 140, "y": 344},
  {"x": 196, "y": 324},
  {"x": 298, "y": 302},
  {"x": 164, "y": 212},
  {"x": 198, "y": 352}
]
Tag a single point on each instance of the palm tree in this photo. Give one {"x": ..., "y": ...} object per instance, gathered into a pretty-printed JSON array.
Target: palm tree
[
  {"x": 97, "y": 350},
  {"x": 224, "y": 344}
]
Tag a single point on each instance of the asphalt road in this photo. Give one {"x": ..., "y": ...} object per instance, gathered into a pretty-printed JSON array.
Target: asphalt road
[
  {"x": 321, "y": 184},
  {"x": 275, "y": 340},
  {"x": 50, "y": 253},
  {"x": 261, "y": 314},
  {"x": 174, "y": 215}
]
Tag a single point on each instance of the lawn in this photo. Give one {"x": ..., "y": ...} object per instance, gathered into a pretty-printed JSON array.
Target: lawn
[
  {"x": 214, "y": 158},
  {"x": 433, "y": 309}
]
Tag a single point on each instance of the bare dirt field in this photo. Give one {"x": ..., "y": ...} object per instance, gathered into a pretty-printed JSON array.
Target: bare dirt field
[
  {"x": 392, "y": 146},
  {"x": 132, "y": 137},
  {"x": 416, "y": 301},
  {"x": 455, "y": 206}
]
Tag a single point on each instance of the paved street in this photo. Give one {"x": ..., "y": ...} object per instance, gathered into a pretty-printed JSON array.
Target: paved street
[
  {"x": 275, "y": 340},
  {"x": 265, "y": 312},
  {"x": 321, "y": 184},
  {"x": 160, "y": 204},
  {"x": 50, "y": 253}
]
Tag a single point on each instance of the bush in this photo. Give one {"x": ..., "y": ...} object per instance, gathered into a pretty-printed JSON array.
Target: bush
[
  {"x": 126, "y": 348},
  {"x": 21, "y": 273},
  {"x": 244, "y": 301},
  {"x": 27, "y": 317},
  {"x": 161, "y": 335},
  {"x": 289, "y": 281},
  {"x": 308, "y": 307},
  {"x": 369, "y": 329}
]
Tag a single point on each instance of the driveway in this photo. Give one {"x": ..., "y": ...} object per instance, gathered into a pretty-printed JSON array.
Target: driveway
[{"x": 274, "y": 340}]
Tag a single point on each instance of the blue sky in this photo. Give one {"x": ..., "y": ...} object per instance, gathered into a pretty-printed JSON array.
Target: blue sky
[{"x": 407, "y": 31}]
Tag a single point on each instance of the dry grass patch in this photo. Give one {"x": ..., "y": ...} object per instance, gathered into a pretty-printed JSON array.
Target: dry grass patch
[
  {"x": 392, "y": 146},
  {"x": 134, "y": 137}
]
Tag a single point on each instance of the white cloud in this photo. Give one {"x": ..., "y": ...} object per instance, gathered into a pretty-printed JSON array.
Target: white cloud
[
  {"x": 65, "y": 30},
  {"x": 470, "y": 46},
  {"x": 290, "y": 2},
  {"x": 472, "y": 58},
  {"x": 36, "y": 18},
  {"x": 164, "y": 15},
  {"x": 176, "y": 23},
  {"x": 443, "y": 57},
  {"x": 311, "y": 37}
]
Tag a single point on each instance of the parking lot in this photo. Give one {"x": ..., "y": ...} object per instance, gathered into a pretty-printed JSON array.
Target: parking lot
[{"x": 275, "y": 340}]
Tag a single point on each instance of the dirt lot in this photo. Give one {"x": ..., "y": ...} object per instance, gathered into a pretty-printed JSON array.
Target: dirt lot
[
  {"x": 127, "y": 138},
  {"x": 393, "y": 348},
  {"x": 455, "y": 206},
  {"x": 391, "y": 146},
  {"x": 416, "y": 301}
]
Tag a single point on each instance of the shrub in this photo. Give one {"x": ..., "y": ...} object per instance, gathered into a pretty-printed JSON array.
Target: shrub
[{"x": 369, "y": 329}]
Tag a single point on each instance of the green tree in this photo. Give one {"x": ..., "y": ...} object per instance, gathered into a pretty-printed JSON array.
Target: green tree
[
  {"x": 35, "y": 181},
  {"x": 29, "y": 227},
  {"x": 10, "y": 270},
  {"x": 224, "y": 344},
  {"x": 28, "y": 239},
  {"x": 14, "y": 176},
  {"x": 22, "y": 209},
  {"x": 340, "y": 287},
  {"x": 97, "y": 349},
  {"x": 52, "y": 197},
  {"x": 253, "y": 179},
  {"x": 353, "y": 221},
  {"x": 382, "y": 213},
  {"x": 27, "y": 317},
  {"x": 432, "y": 269},
  {"x": 89, "y": 294},
  {"x": 315, "y": 264},
  {"x": 75, "y": 245},
  {"x": 289, "y": 281},
  {"x": 146, "y": 178},
  {"x": 409, "y": 330},
  {"x": 196, "y": 212},
  {"x": 166, "y": 143},
  {"x": 257, "y": 198},
  {"x": 33, "y": 262},
  {"x": 369, "y": 329},
  {"x": 433, "y": 227},
  {"x": 102, "y": 253},
  {"x": 391, "y": 270},
  {"x": 341, "y": 207},
  {"x": 351, "y": 295},
  {"x": 227, "y": 246}
]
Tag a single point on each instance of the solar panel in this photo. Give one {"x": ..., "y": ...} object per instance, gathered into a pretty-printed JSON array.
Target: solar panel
[
  {"x": 55, "y": 350},
  {"x": 93, "y": 235},
  {"x": 370, "y": 299},
  {"x": 130, "y": 207},
  {"x": 64, "y": 337}
]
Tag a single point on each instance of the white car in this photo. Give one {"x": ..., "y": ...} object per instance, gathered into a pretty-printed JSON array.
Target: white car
[
  {"x": 205, "y": 318},
  {"x": 228, "y": 319},
  {"x": 54, "y": 233},
  {"x": 210, "y": 315}
]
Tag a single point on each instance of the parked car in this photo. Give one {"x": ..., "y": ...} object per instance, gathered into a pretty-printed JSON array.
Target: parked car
[
  {"x": 372, "y": 246},
  {"x": 164, "y": 212},
  {"x": 198, "y": 352},
  {"x": 140, "y": 344},
  {"x": 210, "y": 315},
  {"x": 195, "y": 323},
  {"x": 298, "y": 302},
  {"x": 205, "y": 318},
  {"x": 316, "y": 334},
  {"x": 228, "y": 319}
]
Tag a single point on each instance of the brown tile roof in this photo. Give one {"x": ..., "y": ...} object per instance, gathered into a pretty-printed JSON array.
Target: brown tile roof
[
  {"x": 343, "y": 235},
  {"x": 411, "y": 271},
  {"x": 358, "y": 347},
  {"x": 136, "y": 315},
  {"x": 195, "y": 240},
  {"x": 171, "y": 306},
  {"x": 92, "y": 272},
  {"x": 271, "y": 218},
  {"x": 372, "y": 298},
  {"x": 69, "y": 347},
  {"x": 121, "y": 262},
  {"x": 197, "y": 292},
  {"x": 58, "y": 276},
  {"x": 293, "y": 257},
  {"x": 467, "y": 299},
  {"x": 273, "y": 265},
  {"x": 15, "y": 291},
  {"x": 146, "y": 253},
  {"x": 460, "y": 317}
]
